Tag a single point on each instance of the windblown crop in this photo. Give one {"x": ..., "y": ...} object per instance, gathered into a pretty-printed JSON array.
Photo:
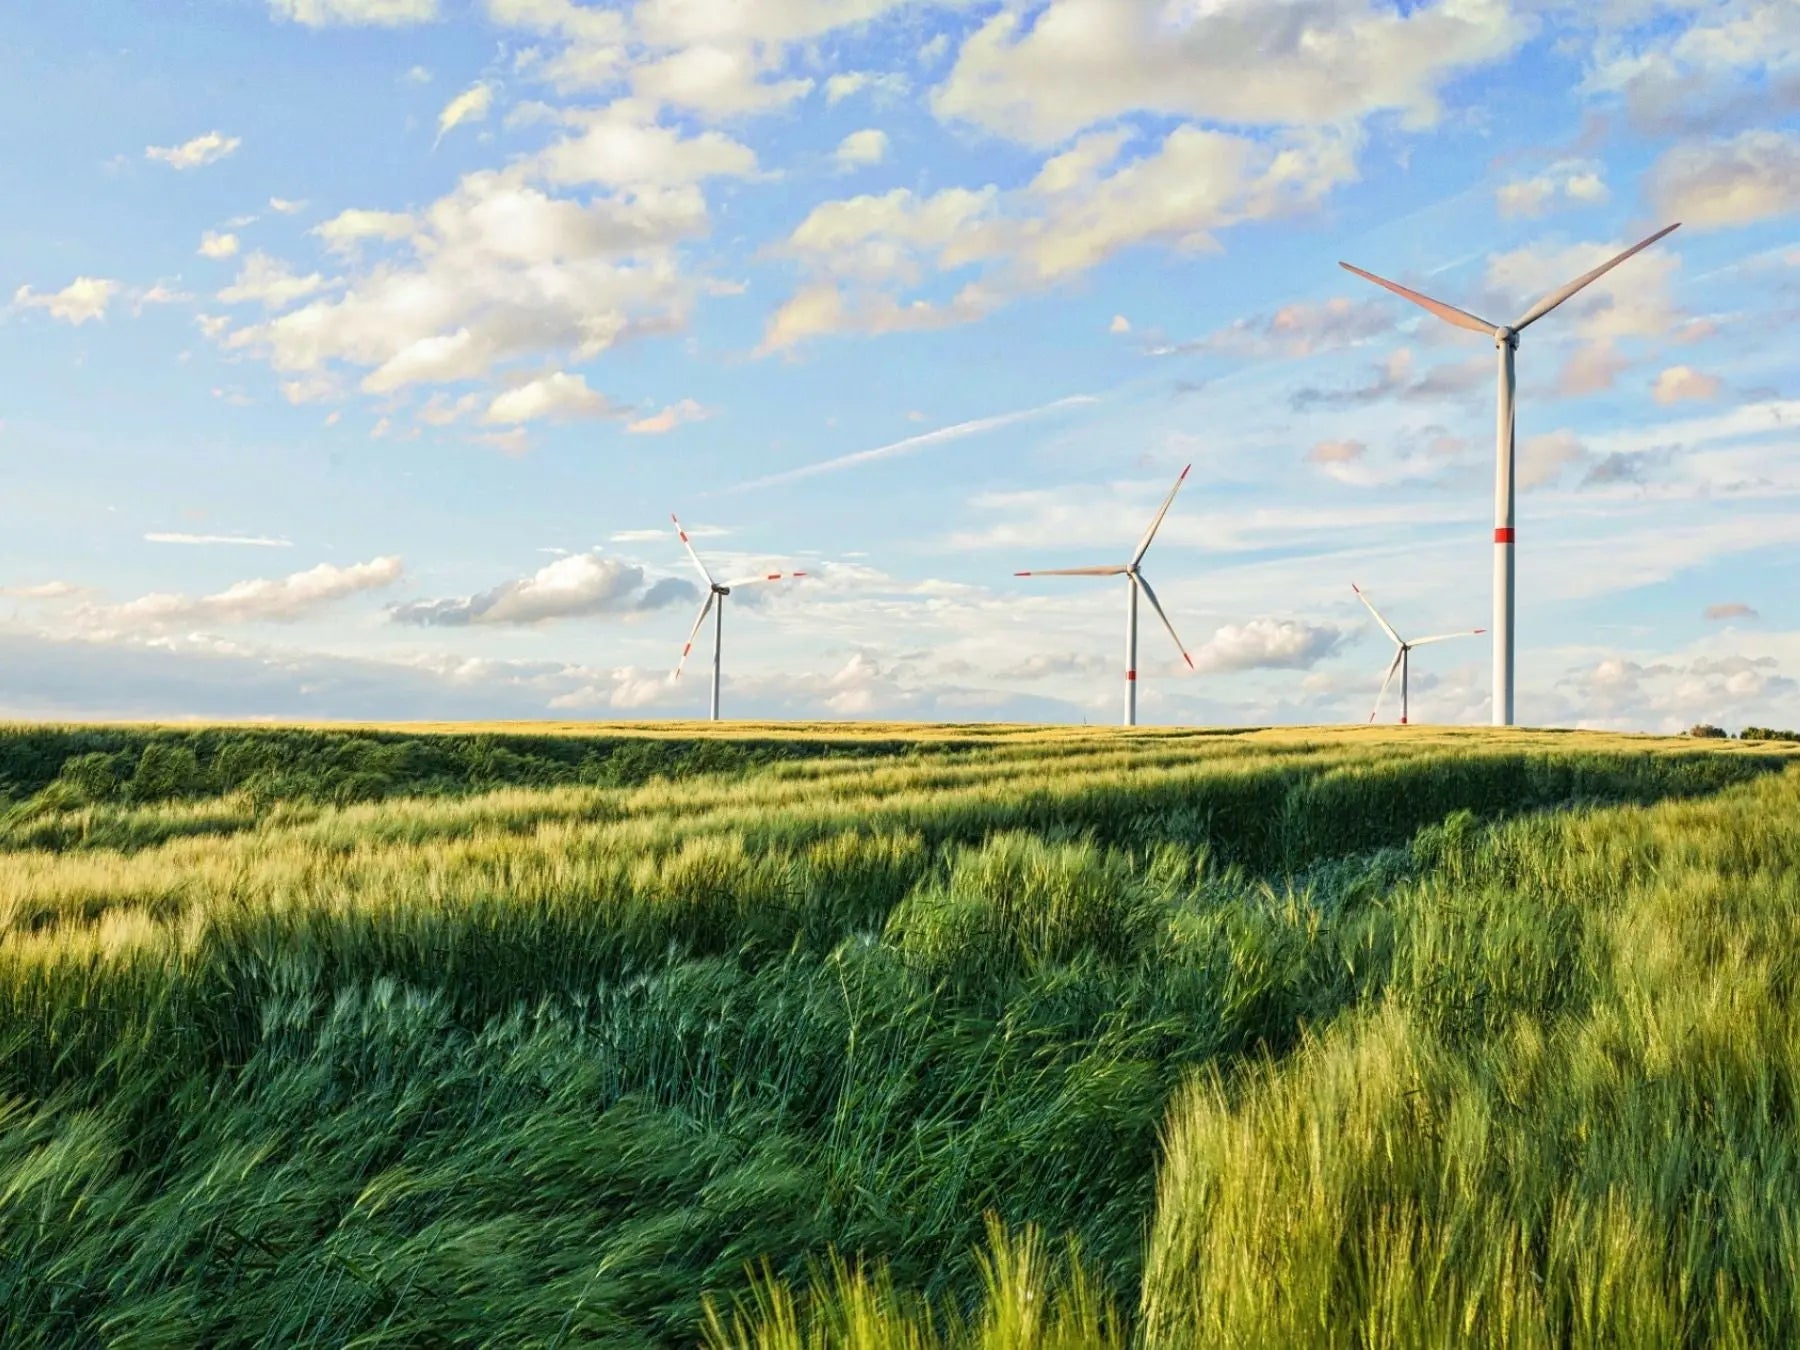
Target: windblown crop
[{"x": 809, "y": 1037}]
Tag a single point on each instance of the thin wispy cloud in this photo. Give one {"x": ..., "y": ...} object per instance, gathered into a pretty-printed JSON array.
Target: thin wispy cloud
[
  {"x": 251, "y": 540},
  {"x": 956, "y": 431}
]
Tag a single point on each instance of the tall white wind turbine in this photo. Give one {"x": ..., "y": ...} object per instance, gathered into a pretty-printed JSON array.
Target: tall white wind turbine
[
  {"x": 1135, "y": 581},
  {"x": 1506, "y": 339},
  {"x": 715, "y": 605},
  {"x": 1402, "y": 654}
]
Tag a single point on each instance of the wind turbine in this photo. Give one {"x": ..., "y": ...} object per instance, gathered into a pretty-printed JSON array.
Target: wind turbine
[
  {"x": 1135, "y": 581},
  {"x": 1506, "y": 339},
  {"x": 715, "y": 596},
  {"x": 1402, "y": 654}
]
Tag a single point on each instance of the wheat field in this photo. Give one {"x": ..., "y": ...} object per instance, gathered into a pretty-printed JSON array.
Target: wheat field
[{"x": 797, "y": 1036}]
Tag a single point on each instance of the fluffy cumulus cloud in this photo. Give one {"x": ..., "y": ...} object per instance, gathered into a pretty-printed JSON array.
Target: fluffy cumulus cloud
[
  {"x": 1041, "y": 73},
  {"x": 505, "y": 269},
  {"x": 1715, "y": 185},
  {"x": 82, "y": 299},
  {"x": 1085, "y": 206},
  {"x": 1278, "y": 644},
  {"x": 1675, "y": 693},
  {"x": 1567, "y": 184},
  {"x": 861, "y": 148},
  {"x": 197, "y": 153},
  {"x": 218, "y": 244},
  {"x": 558, "y": 395},
  {"x": 580, "y": 585},
  {"x": 270, "y": 283},
  {"x": 1684, "y": 68},
  {"x": 1679, "y": 384}
]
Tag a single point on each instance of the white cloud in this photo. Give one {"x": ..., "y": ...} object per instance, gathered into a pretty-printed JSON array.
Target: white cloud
[
  {"x": 345, "y": 232},
  {"x": 558, "y": 394},
  {"x": 861, "y": 148},
  {"x": 502, "y": 271},
  {"x": 285, "y": 206},
  {"x": 656, "y": 424},
  {"x": 1281, "y": 644},
  {"x": 1711, "y": 185},
  {"x": 377, "y": 13},
  {"x": 1634, "y": 300},
  {"x": 252, "y": 540},
  {"x": 269, "y": 282},
  {"x": 1119, "y": 324},
  {"x": 1075, "y": 216},
  {"x": 620, "y": 146},
  {"x": 1082, "y": 62},
  {"x": 850, "y": 82},
  {"x": 579, "y": 585},
  {"x": 194, "y": 154},
  {"x": 714, "y": 81},
  {"x": 1679, "y": 383},
  {"x": 471, "y": 105},
  {"x": 265, "y": 600},
  {"x": 82, "y": 299},
  {"x": 1580, "y": 182},
  {"x": 214, "y": 244}
]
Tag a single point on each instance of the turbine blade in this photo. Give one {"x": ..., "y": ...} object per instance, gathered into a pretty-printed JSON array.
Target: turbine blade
[
  {"x": 1386, "y": 627},
  {"x": 1448, "y": 313},
  {"x": 766, "y": 576},
  {"x": 1445, "y": 637},
  {"x": 690, "y": 551},
  {"x": 1149, "y": 534},
  {"x": 705, "y": 609},
  {"x": 1386, "y": 681},
  {"x": 1075, "y": 572},
  {"x": 1143, "y": 584},
  {"x": 1555, "y": 298}
]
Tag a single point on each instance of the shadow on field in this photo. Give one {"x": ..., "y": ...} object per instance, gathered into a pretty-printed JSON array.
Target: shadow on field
[{"x": 495, "y": 1075}]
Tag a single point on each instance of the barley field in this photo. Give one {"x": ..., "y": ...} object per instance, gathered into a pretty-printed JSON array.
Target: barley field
[{"x": 895, "y": 1037}]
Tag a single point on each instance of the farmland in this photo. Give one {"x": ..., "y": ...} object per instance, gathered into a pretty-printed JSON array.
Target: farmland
[{"x": 799, "y": 1036}]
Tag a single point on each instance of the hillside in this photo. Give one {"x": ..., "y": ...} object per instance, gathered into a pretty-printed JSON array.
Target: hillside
[{"x": 784, "y": 1035}]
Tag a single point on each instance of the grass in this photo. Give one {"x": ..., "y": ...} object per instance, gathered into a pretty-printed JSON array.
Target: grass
[{"x": 996, "y": 1037}]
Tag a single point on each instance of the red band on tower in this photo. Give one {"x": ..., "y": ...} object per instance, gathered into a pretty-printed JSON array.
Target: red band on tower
[
  {"x": 1131, "y": 674},
  {"x": 1503, "y": 534}
]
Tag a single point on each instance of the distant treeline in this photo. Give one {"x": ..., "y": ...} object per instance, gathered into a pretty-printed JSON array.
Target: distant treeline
[
  {"x": 89, "y": 766},
  {"x": 1706, "y": 731}
]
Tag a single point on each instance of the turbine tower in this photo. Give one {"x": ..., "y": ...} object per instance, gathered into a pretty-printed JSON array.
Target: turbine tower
[
  {"x": 1135, "y": 581},
  {"x": 1506, "y": 340},
  {"x": 715, "y": 596},
  {"x": 1402, "y": 654}
]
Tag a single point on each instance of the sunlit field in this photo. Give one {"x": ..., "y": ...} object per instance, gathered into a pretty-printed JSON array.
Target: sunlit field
[{"x": 889, "y": 1036}]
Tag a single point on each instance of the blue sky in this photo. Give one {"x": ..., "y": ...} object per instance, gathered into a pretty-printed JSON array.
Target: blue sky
[{"x": 357, "y": 351}]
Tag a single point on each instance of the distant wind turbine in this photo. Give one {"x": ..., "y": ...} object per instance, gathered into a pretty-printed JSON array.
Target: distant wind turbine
[
  {"x": 1402, "y": 654},
  {"x": 1136, "y": 581},
  {"x": 715, "y": 596},
  {"x": 1506, "y": 339}
]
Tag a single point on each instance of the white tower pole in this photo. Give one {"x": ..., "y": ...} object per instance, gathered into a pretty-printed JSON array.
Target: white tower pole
[
  {"x": 1508, "y": 343},
  {"x": 718, "y": 641},
  {"x": 1131, "y": 653}
]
